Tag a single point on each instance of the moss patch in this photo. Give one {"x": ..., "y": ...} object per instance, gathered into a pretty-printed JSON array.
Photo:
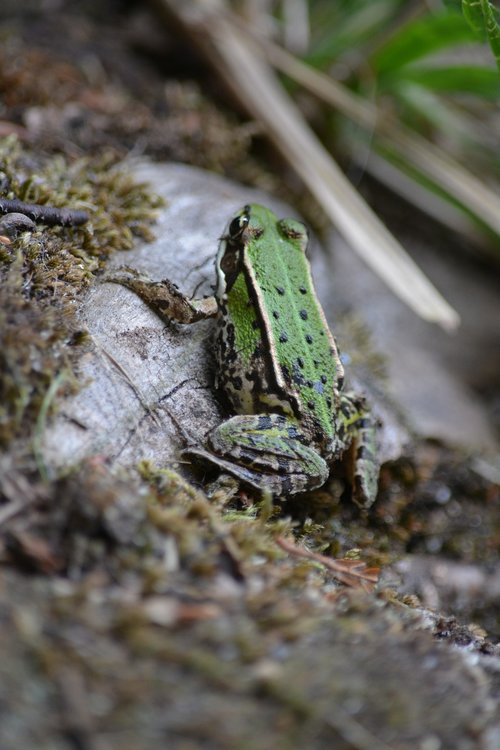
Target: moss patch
[{"x": 43, "y": 272}]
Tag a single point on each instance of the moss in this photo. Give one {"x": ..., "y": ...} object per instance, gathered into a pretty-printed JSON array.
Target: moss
[{"x": 43, "y": 272}]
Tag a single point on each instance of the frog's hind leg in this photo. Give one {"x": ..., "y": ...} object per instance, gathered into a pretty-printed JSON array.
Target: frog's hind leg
[
  {"x": 267, "y": 451},
  {"x": 358, "y": 433}
]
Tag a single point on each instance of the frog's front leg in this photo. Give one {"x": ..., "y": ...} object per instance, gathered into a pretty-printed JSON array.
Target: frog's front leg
[
  {"x": 164, "y": 298},
  {"x": 358, "y": 433},
  {"x": 267, "y": 451}
]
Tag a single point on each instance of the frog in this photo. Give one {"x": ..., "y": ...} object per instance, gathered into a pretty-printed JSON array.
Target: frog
[{"x": 277, "y": 364}]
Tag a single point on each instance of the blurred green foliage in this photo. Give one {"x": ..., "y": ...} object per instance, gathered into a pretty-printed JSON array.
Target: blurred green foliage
[{"x": 430, "y": 69}]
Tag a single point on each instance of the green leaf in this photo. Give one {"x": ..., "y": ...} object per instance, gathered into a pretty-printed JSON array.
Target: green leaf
[
  {"x": 473, "y": 14},
  {"x": 468, "y": 79},
  {"x": 481, "y": 16},
  {"x": 420, "y": 38}
]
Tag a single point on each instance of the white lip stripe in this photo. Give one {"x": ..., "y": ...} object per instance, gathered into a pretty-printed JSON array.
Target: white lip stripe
[{"x": 221, "y": 276}]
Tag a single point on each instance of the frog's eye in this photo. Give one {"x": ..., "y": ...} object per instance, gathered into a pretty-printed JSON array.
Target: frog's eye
[
  {"x": 295, "y": 230},
  {"x": 238, "y": 224}
]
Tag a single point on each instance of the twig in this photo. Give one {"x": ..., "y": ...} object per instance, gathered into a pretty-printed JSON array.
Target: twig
[
  {"x": 50, "y": 215},
  {"x": 19, "y": 493},
  {"x": 344, "y": 570},
  {"x": 15, "y": 508}
]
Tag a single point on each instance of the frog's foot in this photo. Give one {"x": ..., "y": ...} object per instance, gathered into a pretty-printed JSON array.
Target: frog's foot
[
  {"x": 266, "y": 451},
  {"x": 163, "y": 297},
  {"x": 360, "y": 435}
]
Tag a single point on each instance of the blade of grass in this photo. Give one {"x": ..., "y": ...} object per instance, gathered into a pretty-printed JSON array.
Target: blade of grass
[
  {"x": 240, "y": 64},
  {"x": 42, "y": 419},
  {"x": 429, "y": 203},
  {"x": 460, "y": 125},
  {"x": 416, "y": 195},
  {"x": 338, "y": 32}
]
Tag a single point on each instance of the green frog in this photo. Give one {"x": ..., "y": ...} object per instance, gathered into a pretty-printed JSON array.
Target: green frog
[{"x": 277, "y": 364}]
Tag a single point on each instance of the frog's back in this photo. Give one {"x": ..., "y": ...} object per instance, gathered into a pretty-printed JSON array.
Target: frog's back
[{"x": 275, "y": 349}]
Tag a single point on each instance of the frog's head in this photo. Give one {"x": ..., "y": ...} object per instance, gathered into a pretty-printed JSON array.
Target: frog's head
[
  {"x": 232, "y": 242},
  {"x": 254, "y": 221},
  {"x": 249, "y": 224}
]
